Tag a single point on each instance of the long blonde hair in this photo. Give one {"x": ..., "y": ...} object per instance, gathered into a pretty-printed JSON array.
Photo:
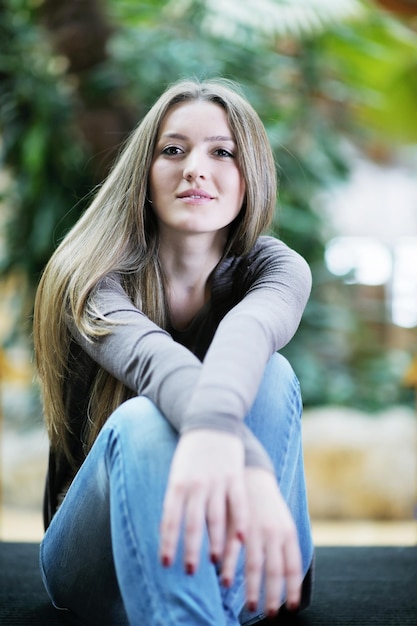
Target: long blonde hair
[{"x": 118, "y": 233}]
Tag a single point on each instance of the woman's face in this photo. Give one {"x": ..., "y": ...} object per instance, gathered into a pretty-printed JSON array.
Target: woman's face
[{"x": 195, "y": 182}]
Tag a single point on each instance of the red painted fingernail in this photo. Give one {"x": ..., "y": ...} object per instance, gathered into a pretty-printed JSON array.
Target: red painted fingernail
[
  {"x": 252, "y": 607},
  {"x": 292, "y": 606},
  {"x": 166, "y": 561},
  {"x": 226, "y": 582},
  {"x": 271, "y": 614},
  {"x": 214, "y": 558},
  {"x": 190, "y": 569},
  {"x": 240, "y": 536}
]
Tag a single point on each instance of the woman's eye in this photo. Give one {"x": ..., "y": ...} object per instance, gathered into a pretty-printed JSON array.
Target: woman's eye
[
  {"x": 171, "y": 150},
  {"x": 222, "y": 152}
]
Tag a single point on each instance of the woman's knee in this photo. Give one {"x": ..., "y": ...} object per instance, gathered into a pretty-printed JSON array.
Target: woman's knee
[
  {"x": 138, "y": 423},
  {"x": 278, "y": 368},
  {"x": 138, "y": 406},
  {"x": 277, "y": 408},
  {"x": 138, "y": 413},
  {"x": 280, "y": 382}
]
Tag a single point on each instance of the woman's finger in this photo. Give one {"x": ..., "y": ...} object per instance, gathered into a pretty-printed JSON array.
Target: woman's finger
[
  {"x": 216, "y": 523},
  {"x": 194, "y": 524},
  {"x": 274, "y": 574},
  {"x": 237, "y": 525},
  {"x": 171, "y": 523},
  {"x": 232, "y": 550},
  {"x": 237, "y": 511},
  {"x": 254, "y": 567},
  {"x": 293, "y": 571}
]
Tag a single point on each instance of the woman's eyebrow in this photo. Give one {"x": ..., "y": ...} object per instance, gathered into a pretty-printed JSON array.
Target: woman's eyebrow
[
  {"x": 185, "y": 138},
  {"x": 219, "y": 138},
  {"x": 175, "y": 136}
]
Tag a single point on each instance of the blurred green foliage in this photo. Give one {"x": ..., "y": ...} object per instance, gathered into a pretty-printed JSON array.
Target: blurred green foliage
[
  {"x": 320, "y": 74},
  {"x": 40, "y": 146}
]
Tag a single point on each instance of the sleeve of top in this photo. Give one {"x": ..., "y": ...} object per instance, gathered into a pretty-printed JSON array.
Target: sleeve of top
[
  {"x": 276, "y": 285},
  {"x": 148, "y": 361},
  {"x": 215, "y": 394}
]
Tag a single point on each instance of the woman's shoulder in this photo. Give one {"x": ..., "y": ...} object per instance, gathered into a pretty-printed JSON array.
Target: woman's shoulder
[
  {"x": 267, "y": 244},
  {"x": 272, "y": 259},
  {"x": 266, "y": 248},
  {"x": 111, "y": 282},
  {"x": 110, "y": 295},
  {"x": 269, "y": 249}
]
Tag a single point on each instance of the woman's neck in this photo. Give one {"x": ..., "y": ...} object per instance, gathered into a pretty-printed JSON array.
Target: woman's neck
[{"x": 188, "y": 263}]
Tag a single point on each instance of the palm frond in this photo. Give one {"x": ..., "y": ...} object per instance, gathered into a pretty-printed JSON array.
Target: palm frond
[{"x": 269, "y": 18}]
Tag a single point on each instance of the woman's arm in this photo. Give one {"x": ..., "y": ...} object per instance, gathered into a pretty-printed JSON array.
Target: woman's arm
[
  {"x": 272, "y": 283},
  {"x": 147, "y": 360},
  {"x": 274, "y": 291}
]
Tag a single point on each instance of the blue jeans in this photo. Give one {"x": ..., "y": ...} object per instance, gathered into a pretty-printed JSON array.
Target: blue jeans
[{"x": 99, "y": 556}]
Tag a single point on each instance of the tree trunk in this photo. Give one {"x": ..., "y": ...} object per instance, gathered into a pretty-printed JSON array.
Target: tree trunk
[
  {"x": 402, "y": 8},
  {"x": 80, "y": 32}
]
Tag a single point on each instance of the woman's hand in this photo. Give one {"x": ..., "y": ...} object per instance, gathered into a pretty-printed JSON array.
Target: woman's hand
[
  {"x": 206, "y": 485},
  {"x": 271, "y": 545}
]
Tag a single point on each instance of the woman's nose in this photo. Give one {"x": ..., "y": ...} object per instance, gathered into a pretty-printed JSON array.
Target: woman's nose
[{"x": 194, "y": 167}]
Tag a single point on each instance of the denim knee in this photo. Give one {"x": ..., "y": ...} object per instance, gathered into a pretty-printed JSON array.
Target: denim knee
[
  {"x": 132, "y": 409},
  {"x": 279, "y": 368},
  {"x": 139, "y": 431},
  {"x": 138, "y": 418},
  {"x": 279, "y": 389}
]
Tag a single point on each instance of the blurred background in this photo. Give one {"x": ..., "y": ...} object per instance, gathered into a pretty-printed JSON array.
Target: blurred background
[{"x": 335, "y": 84}]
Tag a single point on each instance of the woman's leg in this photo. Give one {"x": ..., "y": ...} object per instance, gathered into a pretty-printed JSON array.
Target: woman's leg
[
  {"x": 275, "y": 419},
  {"x": 105, "y": 536},
  {"x": 124, "y": 479}
]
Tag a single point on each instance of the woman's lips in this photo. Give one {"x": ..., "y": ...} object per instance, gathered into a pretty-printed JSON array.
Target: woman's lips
[{"x": 195, "y": 196}]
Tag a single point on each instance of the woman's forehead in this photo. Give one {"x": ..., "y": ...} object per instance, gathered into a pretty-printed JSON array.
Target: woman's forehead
[{"x": 196, "y": 115}]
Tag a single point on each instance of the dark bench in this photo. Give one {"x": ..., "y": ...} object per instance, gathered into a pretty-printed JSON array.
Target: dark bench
[{"x": 354, "y": 585}]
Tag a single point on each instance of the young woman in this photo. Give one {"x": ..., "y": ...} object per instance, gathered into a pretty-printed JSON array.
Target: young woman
[{"x": 175, "y": 491}]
